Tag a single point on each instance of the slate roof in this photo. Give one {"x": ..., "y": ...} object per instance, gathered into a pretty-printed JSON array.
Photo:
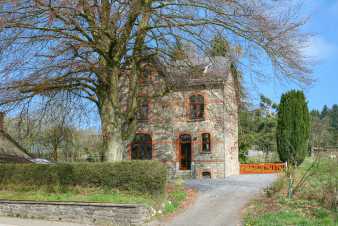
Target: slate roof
[
  {"x": 198, "y": 72},
  {"x": 10, "y": 150}
]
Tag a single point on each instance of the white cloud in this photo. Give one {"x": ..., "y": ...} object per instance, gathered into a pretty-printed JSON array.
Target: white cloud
[{"x": 320, "y": 49}]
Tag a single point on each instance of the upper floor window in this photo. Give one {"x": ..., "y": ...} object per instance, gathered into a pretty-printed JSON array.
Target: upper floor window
[
  {"x": 143, "y": 110},
  {"x": 196, "y": 107},
  {"x": 146, "y": 75},
  {"x": 206, "y": 142}
]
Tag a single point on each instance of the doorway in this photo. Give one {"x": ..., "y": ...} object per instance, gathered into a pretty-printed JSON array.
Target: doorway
[{"x": 185, "y": 152}]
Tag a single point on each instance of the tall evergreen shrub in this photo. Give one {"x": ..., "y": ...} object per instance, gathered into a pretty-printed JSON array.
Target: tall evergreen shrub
[{"x": 293, "y": 128}]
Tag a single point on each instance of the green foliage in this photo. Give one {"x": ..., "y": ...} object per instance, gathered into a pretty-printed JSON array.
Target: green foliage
[
  {"x": 322, "y": 185},
  {"x": 175, "y": 199},
  {"x": 287, "y": 218},
  {"x": 246, "y": 134},
  {"x": 276, "y": 187},
  {"x": 312, "y": 205},
  {"x": 293, "y": 128},
  {"x": 135, "y": 176},
  {"x": 324, "y": 127},
  {"x": 219, "y": 46},
  {"x": 325, "y": 112},
  {"x": 257, "y": 129}
]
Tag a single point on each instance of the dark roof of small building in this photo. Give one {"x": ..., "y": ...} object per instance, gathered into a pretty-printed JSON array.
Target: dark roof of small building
[{"x": 11, "y": 150}]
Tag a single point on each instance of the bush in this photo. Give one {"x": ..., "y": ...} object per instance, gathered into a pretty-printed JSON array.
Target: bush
[
  {"x": 293, "y": 128},
  {"x": 276, "y": 187},
  {"x": 134, "y": 176}
]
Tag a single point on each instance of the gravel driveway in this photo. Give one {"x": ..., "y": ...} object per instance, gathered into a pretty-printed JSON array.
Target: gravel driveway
[{"x": 220, "y": 201}]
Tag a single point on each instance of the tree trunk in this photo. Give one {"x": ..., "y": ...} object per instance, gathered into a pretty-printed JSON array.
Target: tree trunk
[
  {"x": 114, "y": 148},
  {"x": 117, "y": 114},
  {"x": 55, "y": 153},
  {"x": 113, "y": 145},
  {"x": 290, "y": 186},
  {"x": 290, "y": 176}
]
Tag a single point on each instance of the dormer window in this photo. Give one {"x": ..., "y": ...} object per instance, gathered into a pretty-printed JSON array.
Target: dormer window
[
  {"x": 196, "y": 107},
  {"x": 143, "y": 110}
]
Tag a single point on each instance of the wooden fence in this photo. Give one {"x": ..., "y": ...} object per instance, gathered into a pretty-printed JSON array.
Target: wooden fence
[{"x": 262, "y": 168}]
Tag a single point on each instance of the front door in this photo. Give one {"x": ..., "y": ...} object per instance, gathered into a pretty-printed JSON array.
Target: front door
[{"x": 185, "y": 152}]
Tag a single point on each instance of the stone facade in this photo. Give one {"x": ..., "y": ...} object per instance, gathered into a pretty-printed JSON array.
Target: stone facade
[
  {"x": 83, "y": 213},
  {"x": 169, "y": 122}
]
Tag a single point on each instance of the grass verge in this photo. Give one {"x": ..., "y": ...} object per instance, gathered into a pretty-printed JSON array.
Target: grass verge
[
  {"x": 176, "y": 196},
  {"x": 313, "y": 205},
  {"x": 81, "y": 195},
  {"x": 165, "y": 204}
]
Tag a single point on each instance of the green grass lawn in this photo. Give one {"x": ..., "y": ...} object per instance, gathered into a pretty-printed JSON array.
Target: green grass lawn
[
  {"x": 313, "y": 205},
  {"x": 165, "y": 204},
  {"x": 83, "y": 196}
]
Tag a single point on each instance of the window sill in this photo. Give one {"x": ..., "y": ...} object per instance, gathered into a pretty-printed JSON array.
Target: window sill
[
  {"x": 196, "y": 120},
  {"x": 205, "y": 153},
  {"x": 142, "y": 121}
]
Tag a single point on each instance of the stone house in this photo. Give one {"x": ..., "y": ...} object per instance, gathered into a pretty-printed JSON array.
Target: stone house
[
  {"x": 193, "y": 128},
  {"x": 10, "y": 150}
]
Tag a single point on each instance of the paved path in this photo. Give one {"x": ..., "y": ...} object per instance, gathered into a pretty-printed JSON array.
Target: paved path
[{"x": 220, "y": 201}]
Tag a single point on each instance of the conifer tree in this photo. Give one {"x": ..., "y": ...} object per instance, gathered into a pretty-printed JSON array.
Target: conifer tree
[{"x": 293, "y": 128}]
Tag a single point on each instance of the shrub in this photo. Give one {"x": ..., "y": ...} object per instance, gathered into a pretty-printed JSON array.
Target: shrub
[
  {"x": 293, "y": 128},
  {"x": 134, "y": 176},
  {"x": 276, "y": 187}
]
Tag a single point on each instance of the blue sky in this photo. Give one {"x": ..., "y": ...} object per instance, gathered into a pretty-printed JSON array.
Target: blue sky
[{"x": 323, "y": 47}]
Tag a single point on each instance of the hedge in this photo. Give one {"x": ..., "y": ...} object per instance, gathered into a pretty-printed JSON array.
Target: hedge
[{"x": 135, "y": 176}]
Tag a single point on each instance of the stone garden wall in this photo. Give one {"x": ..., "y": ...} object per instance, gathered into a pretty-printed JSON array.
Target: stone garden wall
[{"x": 83, "y": 213}]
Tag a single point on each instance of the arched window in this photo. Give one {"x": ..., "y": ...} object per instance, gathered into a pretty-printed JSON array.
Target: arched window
[
  {"x": 196, "y": 107},
  {"x": 206, "y": 142},
  {"x": 141, "y": 148},
  {"x": 143, "y": 110}
]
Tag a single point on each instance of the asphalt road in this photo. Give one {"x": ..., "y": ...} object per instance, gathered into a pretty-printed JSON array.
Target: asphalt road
[{"x": 220, "y": 201}]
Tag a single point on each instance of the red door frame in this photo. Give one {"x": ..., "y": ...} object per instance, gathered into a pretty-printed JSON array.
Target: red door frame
[{"x": 180, "y": 150}]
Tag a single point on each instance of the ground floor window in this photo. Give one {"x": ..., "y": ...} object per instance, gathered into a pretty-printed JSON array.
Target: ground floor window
[
  {"x": 141, "y": 148},
  {"x": 206, "y": 175}
]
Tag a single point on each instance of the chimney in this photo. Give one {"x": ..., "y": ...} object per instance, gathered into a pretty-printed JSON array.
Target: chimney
[{"x": 2, "y": 121}]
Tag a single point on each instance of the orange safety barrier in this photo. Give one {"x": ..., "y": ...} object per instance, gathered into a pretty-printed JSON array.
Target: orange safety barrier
[{"x": 262, "y": 168}]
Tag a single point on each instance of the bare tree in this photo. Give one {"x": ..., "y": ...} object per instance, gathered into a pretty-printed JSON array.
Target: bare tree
[
  {"x": 96, "y": 50},
  {"x": 55, "y": 138}
]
